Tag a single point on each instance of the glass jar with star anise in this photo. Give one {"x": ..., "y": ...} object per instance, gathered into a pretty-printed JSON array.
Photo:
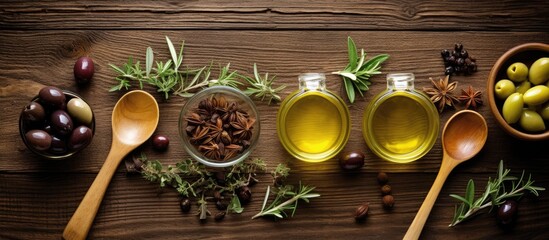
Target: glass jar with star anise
[{"x": 219, "y": 126}]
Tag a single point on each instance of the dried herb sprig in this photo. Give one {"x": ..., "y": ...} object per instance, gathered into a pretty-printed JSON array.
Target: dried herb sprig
[
  {"x": 356, "y": 75},
  {"x": 169, "y": 78},
  {"x": 496, "y": 192},
  {"x": 286, "y": 196},
  {"x": 193, "y": 179}
]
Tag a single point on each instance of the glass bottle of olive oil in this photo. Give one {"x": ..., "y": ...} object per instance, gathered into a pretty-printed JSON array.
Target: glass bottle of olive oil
[
  {"x": 400, "y": 124},
  {"x": 313, "y": 124}
]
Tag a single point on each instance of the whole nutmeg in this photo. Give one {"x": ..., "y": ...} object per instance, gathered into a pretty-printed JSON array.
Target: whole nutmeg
[
  {"x": 386, "y": 189},
  {"x": 185, "y": 205},
  {"x": 382, "y": 178},
  {"x": 244, "y": 194},
  {"x": 352, "y": 160},
  {"x": 388, "y": 201},
  {"x": 362, "y": 212}
]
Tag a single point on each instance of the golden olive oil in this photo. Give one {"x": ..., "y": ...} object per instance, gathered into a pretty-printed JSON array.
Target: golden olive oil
[
  {"x": 401, "y": 125},
  {"x": 313, "y": 125}
]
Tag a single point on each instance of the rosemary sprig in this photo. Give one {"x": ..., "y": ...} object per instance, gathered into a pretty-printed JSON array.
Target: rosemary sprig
[
  {"x": 262, "y": 88},
  {"x": 496, "y": 192},
  {"x": 169, "y": 78},
  {"x": 286, "y": 199},
  {"x": 356, "y": 75}
]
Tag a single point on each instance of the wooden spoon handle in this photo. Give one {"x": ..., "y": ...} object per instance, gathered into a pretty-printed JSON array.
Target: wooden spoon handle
[
  {"x": 80, "y": 223},
  {"x": 421, "y": 217}
]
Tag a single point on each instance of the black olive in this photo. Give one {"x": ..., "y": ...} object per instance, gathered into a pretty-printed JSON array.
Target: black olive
[
  {"x": 80, "y": 137},
  {"x": 160, "y": 142},
  {"x": 83, "y": 70},
  {"x": 38, "y": 139},
  {"x": 61, "y": 122},
  {"x": 352, "y": 160},
  {"x": 507, "y": 212},
  {"x": 52, "y": 97},
  {"x": 58, "y": 145}
]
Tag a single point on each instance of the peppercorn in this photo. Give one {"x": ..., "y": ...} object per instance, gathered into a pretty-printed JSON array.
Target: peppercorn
[
  {"x": 382, "y": 178},
  {"x": 386, "y": 189},
  {"x": 362, "y": 212},
  {"x": 185, "y": 205},
  {"x": 219, "y": 216},
  {"x": 388, "y": 201},
  {"x": 244, "y": 194}
]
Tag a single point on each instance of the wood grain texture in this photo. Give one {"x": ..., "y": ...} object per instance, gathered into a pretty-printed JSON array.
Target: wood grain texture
[
  {"x": 41, "y": 40},
  {"x": 505, "y": 15}
]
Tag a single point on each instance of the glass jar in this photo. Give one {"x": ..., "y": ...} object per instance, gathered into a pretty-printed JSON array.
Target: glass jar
[
  {"x": 313, "y": 124},
  {"x": 212, "y": 108},
  {"x": 400, "y": 124}
]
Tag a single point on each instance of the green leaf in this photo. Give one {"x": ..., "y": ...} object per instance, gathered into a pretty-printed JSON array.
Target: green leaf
[
  {"x": 460, "y": 198},
  {"x": 351, "y": 47},
  {"x": 349, "y": 89},
  {"x": 172, "y": 52},
  {"x": 149, "y": 59},
  {"x": 470, "y": 192},
  {"x": 235, "y": 205}
]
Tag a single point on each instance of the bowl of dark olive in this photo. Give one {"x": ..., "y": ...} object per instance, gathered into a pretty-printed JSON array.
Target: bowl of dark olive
[
  {"x": 219, "y": 126},
  {"x": 518, "y": 91},
  {"x": 56, "y": 124}
]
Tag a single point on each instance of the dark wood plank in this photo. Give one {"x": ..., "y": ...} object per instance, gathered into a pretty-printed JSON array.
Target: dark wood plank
[
  {"x": 39, "y": 205},
  {"x": 358, "y": 15},
  {"x": 286, "y": 54}
]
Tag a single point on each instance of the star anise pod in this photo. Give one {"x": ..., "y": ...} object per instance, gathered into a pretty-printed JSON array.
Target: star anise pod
[
  {"x": 243, "y": 127},
  {"x": 442, "y": 93},
  {"x": 471, "y": 97}
]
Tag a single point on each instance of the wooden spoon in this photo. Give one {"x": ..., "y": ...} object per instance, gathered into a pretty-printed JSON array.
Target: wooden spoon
[
  {"x": 134, "y": 119},
  {"x": 462, "y": 138}
]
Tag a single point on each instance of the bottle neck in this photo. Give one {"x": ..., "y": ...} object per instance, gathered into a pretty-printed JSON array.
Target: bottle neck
[
  {"x": 400, "y": 81},
  {"x": 312, "y": 81}
]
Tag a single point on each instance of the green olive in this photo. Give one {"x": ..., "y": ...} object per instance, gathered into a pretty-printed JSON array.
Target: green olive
[
  {"x": 504, "y": 88},
  {"x": 536, "y": 95},
  {"x": 512, "y": 108},
  {"x": 544, "y": 112},
  {"x": 539, "y": 71},
  {"x": 524, "y": 86},
  {"x": 517, "y": 72},
  {"x": 531, "y": 121}
]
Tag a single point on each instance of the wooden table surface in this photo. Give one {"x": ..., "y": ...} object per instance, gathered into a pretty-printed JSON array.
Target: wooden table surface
[{"x": 40, "y": 41}]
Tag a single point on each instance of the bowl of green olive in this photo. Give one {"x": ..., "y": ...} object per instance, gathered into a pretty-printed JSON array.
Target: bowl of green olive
[{"x": 518, "y": 91}]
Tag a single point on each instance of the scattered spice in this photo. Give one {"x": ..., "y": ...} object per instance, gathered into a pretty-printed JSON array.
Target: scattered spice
[
  {"x": 471, "y": 97},
  {"x": 219, "y": 216},
  {"x": 388, "y": 201},
  {"x": 382, "y": 178},
  {"x": 458, "y": 61},
  {"x": 219, "y": 128},
  {"x": 386, "y": 189},
  {"x": 362, "y": 212},
  {"x": 442, "y": 93}
]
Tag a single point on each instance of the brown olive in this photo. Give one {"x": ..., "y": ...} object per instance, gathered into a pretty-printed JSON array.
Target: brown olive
[
  {"x": 61, "y": 122},
  {"x": 38, "y": 139},
  {"x": 80, "y": 137},
  {"x": 58, "y": 145},
  {"x": 352, "y": 160},
  {"x": 52, "y": 97},
  {"x": 244, "y": 194},
  {"x": 507, "y": 212},
  {"x": 160, "y": 142},
  {"x": 34, "y": 112},
  {"x": 185, "y": 205},
  {"x": 83, "y": 70}
]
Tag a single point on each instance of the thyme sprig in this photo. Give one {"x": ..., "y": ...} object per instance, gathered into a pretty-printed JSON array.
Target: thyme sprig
[
  {"x": 286, "y": 196},
  {"x": 356, "y": 75},
  {"x": 170, "y": 77},
  {"x": 193, "y": 179},
  {"x": 496, "y": 192}
]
